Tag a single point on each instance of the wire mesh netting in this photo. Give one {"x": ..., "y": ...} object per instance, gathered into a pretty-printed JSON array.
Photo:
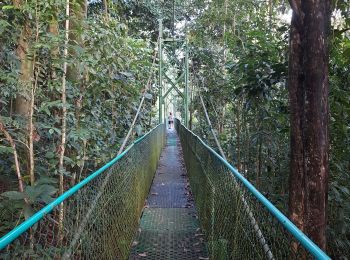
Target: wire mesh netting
[
  {"x": 100, "y": 220},
  {"x": 236, "y": 224}
]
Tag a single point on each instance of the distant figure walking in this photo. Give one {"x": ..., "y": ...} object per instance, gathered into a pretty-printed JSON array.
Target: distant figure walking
[{"x": 170, "y": 120}]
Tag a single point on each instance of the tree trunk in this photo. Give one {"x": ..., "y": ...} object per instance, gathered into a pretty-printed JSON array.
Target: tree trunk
[
  {"x": 15, "y": 156},
  {"x": 259, "y": 163},
  {"x": 24, "y": 97},
  {"x": 247, "y": 161},
  {"x": 270, "y": 12},
  {"x": 78, "y": 15},
  {"x": 26, "y": 67},
  {"x": 74, "y": 76},
  {"x": 222, "y": 120},
  {"x": 105, "y": 6},
  {"x": 31, "y": 132},
  {"x": 63, "y": 120},
  {"x": 26, "y": 71},
  {"x": 238, "y": 127},
  {"x": 190, "y": 124},
  {"x": 54, "y": 30},
  {"x": 308, "y": 94}
]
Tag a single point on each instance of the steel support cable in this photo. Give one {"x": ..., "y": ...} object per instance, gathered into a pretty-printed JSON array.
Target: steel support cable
[
  {"x": 211, "y": 128},
  {"x": 67, "y": 254},
  {"x": 249, "y": 212},
  {"x": 140, "y": 105}
]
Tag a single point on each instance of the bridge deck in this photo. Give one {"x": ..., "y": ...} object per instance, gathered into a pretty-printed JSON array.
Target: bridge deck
[{"x": 169, "y": 227}]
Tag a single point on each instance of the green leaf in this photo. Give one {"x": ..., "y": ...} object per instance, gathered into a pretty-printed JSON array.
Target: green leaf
[
  {"x": 45, "y": 180},
  {"x": 47, "y": 189},
  {"x": 40, "y": 192},
  {"x": 5, "y": 149},
  {"x": 346, "y": 53},
  {"x": 32, "y": 193},
  {"x": 8, "y": 7},
  {"x": 28, "y": 211},
  {"x": 13, "y": 195},
  {"x": 46, "y": 198},
  {"x": 50, "y": 155}
]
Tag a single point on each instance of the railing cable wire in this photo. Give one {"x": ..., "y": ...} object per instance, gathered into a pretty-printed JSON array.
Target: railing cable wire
[{"x": 140, "y": 105}]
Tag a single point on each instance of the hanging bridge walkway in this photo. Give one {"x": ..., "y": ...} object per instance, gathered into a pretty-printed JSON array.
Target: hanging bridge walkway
[
  {"x": 167, "y": 196},
  {"x": 169, "y": 226}
]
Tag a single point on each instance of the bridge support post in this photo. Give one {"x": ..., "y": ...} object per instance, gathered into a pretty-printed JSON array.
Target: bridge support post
[
  {"x": 186, "y": 82},
  {"x": 160, "y": 54}
]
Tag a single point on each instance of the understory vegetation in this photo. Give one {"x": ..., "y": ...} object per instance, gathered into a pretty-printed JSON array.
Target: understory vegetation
[
  {"x": 87, "y": 87},
  {"x": 107, "y": 71}
]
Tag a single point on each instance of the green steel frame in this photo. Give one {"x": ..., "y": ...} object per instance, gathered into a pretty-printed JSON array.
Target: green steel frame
[{"x": 183, "y": 78}]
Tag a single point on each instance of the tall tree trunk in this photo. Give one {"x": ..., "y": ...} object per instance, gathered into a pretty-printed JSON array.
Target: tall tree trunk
[
  {"x": 25, "y": 95},
  {"x": 73, "y": 75},
  {"x": 308, "y": 94},
  {"x": 64, "y": 122},
  {"x": 33, "y": 86},
  {"x": 31, "y": 131},
  {"x": 64, "y": 102},
  {"x": 247, "y": 161},
  {"x": 54, "y": 30},
  {"x": 78, "y": 15},
  {"x": 296, "y": 96},
  {"x": 26, "y": 67}
]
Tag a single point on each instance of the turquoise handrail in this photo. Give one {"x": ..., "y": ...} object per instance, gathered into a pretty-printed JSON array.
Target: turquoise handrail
[
  {"x": 23, "y": 227},
  {"x": 309, "y": 245}
]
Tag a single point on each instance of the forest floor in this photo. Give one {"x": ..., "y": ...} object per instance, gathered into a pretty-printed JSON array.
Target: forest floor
[{"x": 169, "y": 226}]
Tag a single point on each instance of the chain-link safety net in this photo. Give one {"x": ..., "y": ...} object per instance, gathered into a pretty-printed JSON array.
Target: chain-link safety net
[
  {"x": 100, "y": 220},
  {"x": 236, "y": 224}
]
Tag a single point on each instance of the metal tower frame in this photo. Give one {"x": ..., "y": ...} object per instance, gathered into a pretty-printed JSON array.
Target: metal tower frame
[{"x": 172, "y": 62}]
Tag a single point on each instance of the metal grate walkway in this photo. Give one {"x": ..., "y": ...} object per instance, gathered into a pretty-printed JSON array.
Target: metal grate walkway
[{"x": 169, "y": 227}]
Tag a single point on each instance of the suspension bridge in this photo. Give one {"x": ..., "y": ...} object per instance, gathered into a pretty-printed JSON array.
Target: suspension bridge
[{"x": 167, "y": 196}]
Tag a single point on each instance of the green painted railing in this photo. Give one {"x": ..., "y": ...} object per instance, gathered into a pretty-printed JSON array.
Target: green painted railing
[
  {"x": 239, "y": 222},
  {"x": 100, "y": 214}
]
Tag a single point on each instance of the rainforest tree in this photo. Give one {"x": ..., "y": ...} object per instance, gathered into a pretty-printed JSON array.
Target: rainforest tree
[{"x": 308, "y": 93}]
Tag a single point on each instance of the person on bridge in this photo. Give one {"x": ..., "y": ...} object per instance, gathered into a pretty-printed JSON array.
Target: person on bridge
[{"x": 170, "y": 120}]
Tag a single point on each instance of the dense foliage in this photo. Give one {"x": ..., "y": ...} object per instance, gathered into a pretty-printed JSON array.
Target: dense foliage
[
  {"x": 107, "y": 73},
  {"x": 239, "y": 60}
]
